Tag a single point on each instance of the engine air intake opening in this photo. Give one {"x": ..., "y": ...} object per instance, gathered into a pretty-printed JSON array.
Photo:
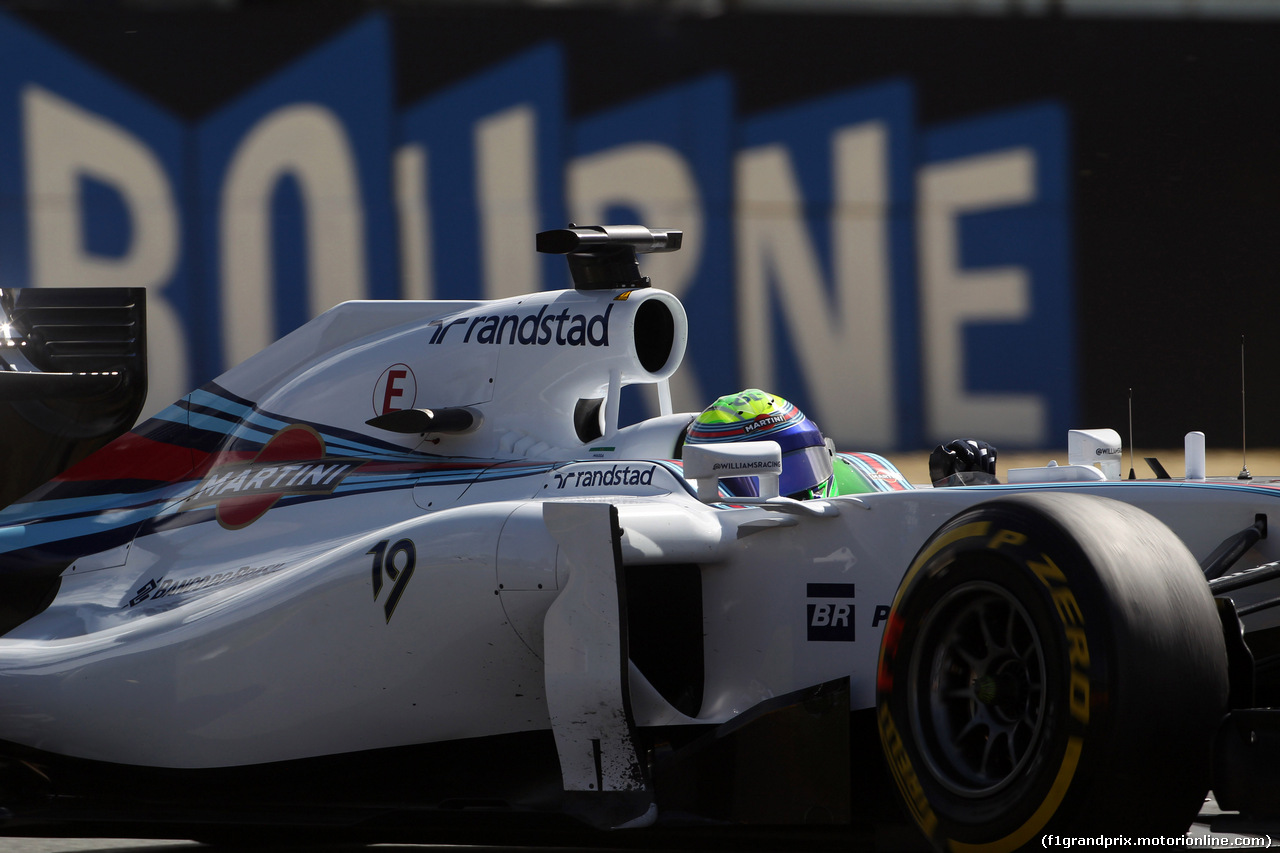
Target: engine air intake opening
[{"x": 655, "y": 334}]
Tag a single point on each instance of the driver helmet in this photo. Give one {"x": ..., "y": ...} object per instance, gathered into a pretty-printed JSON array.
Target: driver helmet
[{"x": 754, "y": 415}]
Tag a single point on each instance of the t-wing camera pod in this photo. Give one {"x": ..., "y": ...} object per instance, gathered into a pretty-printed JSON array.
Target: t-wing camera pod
[{"x": 603, "y": 257}]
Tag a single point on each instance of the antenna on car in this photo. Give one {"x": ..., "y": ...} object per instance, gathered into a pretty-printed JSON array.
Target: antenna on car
[
  {"x": 603, "y": 257},
  {"x": 1244, "y": 449},
  {"x": 1132, "y": 475}
]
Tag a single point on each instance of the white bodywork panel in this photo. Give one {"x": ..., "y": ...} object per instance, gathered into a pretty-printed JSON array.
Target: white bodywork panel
[{"x": 426, "y": 588}]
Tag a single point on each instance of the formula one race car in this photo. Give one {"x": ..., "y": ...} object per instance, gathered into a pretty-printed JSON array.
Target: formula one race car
[{"x": 404, "y": 574}]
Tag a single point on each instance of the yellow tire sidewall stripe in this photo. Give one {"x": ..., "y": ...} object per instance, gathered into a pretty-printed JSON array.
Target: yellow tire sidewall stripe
[
  {"x": 1075, "y": 743},
  {"x": 1037, "y": 821}
]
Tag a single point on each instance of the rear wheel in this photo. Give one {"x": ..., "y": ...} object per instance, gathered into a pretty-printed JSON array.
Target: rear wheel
[{"x": 1053, "y": 664}]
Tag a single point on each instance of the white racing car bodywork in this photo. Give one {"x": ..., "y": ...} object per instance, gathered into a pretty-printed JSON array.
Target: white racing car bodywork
[{"x": 287, "y": 566}]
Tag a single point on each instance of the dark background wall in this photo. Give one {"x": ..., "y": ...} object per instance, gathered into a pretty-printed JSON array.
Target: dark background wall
[{"x": 1174, "y": 144}]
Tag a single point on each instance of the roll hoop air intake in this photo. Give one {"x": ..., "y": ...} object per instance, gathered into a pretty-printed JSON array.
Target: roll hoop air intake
[{"x": 603, "y": 257}]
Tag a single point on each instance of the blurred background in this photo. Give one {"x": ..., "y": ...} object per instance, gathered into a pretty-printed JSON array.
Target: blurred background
[{"x": 918, "y": 219}]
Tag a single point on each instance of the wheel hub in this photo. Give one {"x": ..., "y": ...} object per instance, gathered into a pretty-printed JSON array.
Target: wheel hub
[{"x": 977, "y": 689}]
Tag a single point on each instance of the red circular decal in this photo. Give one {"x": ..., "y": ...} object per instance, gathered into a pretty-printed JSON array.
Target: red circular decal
[{"x": 396, "y": 389}]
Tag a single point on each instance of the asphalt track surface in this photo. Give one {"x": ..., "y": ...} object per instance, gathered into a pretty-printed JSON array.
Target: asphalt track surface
[{"x": 1214, "y": 830}]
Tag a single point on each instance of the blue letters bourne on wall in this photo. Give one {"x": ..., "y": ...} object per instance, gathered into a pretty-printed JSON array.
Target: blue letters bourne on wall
[{"x": 824, "y": 237}]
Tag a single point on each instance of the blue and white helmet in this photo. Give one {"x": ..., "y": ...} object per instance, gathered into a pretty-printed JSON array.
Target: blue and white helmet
[{"x": 753, "y": 415}]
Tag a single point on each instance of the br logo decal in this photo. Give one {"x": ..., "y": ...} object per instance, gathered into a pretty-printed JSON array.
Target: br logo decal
[
  {"x": 830, "y": 612},
  {"x": 293, "y": 462}
]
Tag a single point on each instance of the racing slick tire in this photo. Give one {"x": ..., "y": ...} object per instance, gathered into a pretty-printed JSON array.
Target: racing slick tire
[{"x": 1052, "y": 665}]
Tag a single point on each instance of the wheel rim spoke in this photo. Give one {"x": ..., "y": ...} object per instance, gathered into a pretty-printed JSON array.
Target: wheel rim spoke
[{"x": 978, "y": 697}]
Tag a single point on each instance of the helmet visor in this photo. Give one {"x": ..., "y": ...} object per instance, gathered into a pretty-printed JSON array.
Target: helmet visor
[{"x": 804, "y": 469}]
